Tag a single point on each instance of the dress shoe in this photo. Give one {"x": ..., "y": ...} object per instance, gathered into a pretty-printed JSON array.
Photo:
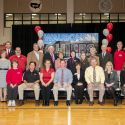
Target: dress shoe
[
  {"x": 76, "y": 101},
  {"x": 43, "y": 103},
  {"x": 91, "y": 103},
  {"x": 37, "y": 103},
  {"x": 101, "y": 103},
  {"x": 21, "y": 102},
  {"x": 115, "y": 103},
  {"x": 81, "y": 101},
  {"x": 47, "y": 103},
  {"x": 68, "y": 102},
  {"x": 55, "y": 103}
]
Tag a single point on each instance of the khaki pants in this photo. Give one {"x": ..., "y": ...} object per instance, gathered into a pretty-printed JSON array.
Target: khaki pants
[
  {"x": 68, "y": 88},
  {"x": 98, "y": 86},
  {"x": 23, "y": 86}
]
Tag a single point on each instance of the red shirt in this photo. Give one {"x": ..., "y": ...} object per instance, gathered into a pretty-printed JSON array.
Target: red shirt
[
  {"x": 46, "y": 74},
  {"x": 14, "y": 76},
  {"x": 21, "y": 61},
  {"x": 119, "y": 59}
]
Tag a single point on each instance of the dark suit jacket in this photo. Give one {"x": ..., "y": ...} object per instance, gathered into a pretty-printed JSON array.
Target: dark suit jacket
[
  {"x": 105, "y": 59},
  {"x": 12, "y": 52},
  {"x": 71, "y": 64},
  {"x": 81, "y": 80},
  {"x": 113, "y": 79},
  {"x": 48, "y": 56},
  {"x": 122, "y": 77}
]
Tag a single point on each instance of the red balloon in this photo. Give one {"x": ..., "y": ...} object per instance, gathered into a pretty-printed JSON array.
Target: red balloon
[
  {"x": 37, "y": 28},
  {"x": 109, "y": 37},
  {"x": 109, "y": 26},
  {"x": 109, "y": 49}
]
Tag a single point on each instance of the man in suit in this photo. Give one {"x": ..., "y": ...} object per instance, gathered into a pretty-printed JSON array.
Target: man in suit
[
  {"x": 9, "y": 49},
  {"x": 104, "y": 57},
  {"x": 50, "y": 55},
  {"x": 35, "y": 56}
]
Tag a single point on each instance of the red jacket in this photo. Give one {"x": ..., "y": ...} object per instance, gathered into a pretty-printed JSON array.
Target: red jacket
[
  {"x": 14, "y": 76},
  {"x": 119, "y": 59},
  {"x": 21, "y": 61}
]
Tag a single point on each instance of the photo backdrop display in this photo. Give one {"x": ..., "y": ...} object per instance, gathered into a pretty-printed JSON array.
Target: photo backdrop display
[{"x": 71, "y": 41}]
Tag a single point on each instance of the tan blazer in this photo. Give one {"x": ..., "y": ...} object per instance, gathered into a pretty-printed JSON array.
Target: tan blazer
[{"x": 32, "y": 57}]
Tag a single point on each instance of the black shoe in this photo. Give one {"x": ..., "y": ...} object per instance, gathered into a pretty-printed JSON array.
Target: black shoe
[
  {"x": 91, "y": 103},
  {"x": 115, "y": 103},
  {"x": 43, "y": 103},
  {"x": 76, "y": 101},
  {"x": 47, "y": 103},
  {"x": 101, "y": 103},
  {"x": 37, "y": 103},
  {"x": 81, "y": 101},
  {"x": 21, "y": 102},
  {"x": 68, "y": 102},
  {"x": 55, "y": 103}
]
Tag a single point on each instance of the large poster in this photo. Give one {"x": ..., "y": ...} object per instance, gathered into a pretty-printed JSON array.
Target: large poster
[{"x": 71, "y": 41}]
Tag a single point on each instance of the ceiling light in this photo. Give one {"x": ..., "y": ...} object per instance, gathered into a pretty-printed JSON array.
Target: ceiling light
[
  {"x": 9, "y": 14},
  {"x": 34, "y": 14}
]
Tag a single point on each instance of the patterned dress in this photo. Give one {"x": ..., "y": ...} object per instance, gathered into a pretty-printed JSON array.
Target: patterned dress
[{"x": 4, "y": 65}]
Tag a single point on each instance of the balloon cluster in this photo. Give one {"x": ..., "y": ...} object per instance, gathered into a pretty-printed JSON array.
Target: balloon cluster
[
  {"x": 40, "y": 36},
  {"x": 108, "y": 35}
]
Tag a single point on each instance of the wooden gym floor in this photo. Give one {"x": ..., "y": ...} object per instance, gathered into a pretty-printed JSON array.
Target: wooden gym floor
[{"x": 83, "y": 114}]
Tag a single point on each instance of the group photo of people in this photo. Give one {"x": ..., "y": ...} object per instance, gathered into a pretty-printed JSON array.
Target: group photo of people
[{"x": 48, "y": 72}]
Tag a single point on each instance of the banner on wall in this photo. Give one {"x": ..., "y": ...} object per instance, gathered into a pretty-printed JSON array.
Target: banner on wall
[{"x": 71, "y": 41}]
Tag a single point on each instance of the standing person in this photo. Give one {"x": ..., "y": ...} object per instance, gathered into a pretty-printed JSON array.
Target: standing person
[
  {"x": 63, "y": 79},
  {"x": 111, "y": 81},
  {"x": 46, "y": 78},
  {"x": 50, "y": 55},
  {"x": 93, "y": 55},
  {"x": 9, "y": 50},
  {"x": 21, "y": 59},
  {"x": 79, "y": 83},
  {"x": 13, "y": 79},
  {"x": 71, "y": 61},
  {"x": 104, "y": 57},
  {"x": 35, "y": 56},
  {"x": 4, "y": 66},
  {"x": 119, "y": 58},
  {"x": 95, "y": 78},
  {"x": 84, "y": 61},
  {"x": 57, "y": 61},
  {"x": 30, "y": 80}
]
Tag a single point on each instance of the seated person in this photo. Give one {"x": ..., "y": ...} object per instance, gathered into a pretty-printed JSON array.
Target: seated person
[
  {"x": 30, "y": 80},
  {"x": 46, "y": 78},
  {"x": 79, "y": 83},
  {"x": 111, "y": 81},
  {"x": 122, "y": 80},
  {"x": 63, "y": 79},
  {"x": 13, "y": 79},
  {"x": 95, "y": 78}
]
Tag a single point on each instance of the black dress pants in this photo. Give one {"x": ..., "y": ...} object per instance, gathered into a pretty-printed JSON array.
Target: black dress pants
[
  {"x": 78, "y": 91},
  {"x": 46, "y": 91},
  {"x": 12, "y": 92}
]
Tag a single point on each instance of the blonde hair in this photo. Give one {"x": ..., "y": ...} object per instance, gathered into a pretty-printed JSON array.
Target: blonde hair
[{"x": 108, "y": 63}]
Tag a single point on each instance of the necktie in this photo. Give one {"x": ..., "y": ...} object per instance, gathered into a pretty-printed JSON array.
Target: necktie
[
  {"x": 103, "y": 55},
  {"x": 94, "y": 75},
  {"x": 52, "y": 56},
  {"x": 62, "y": 77}
]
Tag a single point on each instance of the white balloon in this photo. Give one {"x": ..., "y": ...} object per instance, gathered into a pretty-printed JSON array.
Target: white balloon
[
  {"x": 105, "y": 42},
  {"x": 40, "y": 33},
  {"x": 40, "y": 43},
  {"x": 105, "y": 32}
]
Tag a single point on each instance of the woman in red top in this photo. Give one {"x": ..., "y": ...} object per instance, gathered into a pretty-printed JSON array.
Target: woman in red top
[
  {"x": 46, "y": 78},
  {"x": 13, "y": 79}
]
